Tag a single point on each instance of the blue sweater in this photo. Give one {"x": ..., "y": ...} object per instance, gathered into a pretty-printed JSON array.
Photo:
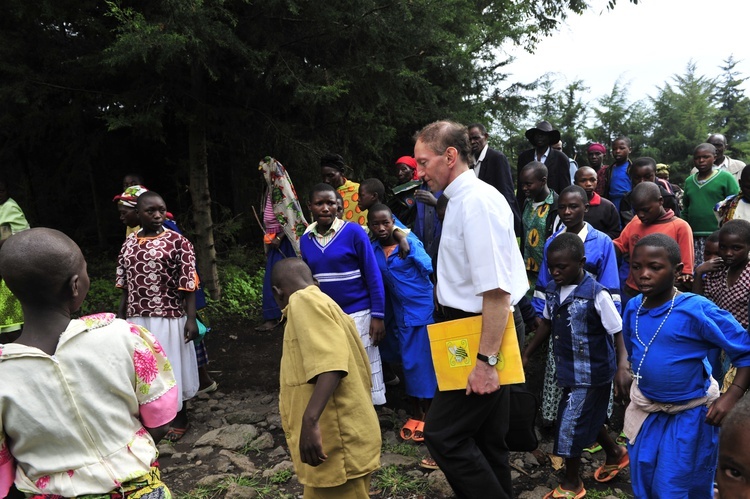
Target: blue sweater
[
  {"x": 346, "y": 269},
  {"x": 601, "y": 263},
  {"x": 408, "y": 283}
]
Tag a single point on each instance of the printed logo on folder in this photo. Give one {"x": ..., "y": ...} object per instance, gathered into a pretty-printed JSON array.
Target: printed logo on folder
[{"x": 458, "y": 353}]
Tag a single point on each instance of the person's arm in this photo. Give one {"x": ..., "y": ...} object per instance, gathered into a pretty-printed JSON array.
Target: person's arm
[
  {"x": 368, "y": 266},
  {"x": 540, "y": 336},
  {"x": 310, "y": 440},
  {"x": 425, "y": 197},
  {"x": 713, "y": 265},
  {"x": 191, "y": 325},
  {"x": 721, "y": 407},
  {"x": 623, "y": 378},
  {"x": 484, "y": 379},
  {"x": 403, "y": 245},
  {"x": 122, "y": 308}
]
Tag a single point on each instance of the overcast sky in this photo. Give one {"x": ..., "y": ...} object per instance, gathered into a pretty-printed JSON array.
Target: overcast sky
[{"x": 642, "y": 44}]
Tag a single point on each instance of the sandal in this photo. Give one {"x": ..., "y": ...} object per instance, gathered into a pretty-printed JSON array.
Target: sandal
[
  {"x": 267, "y": 327},
  {"x": 174, "y": 434},
  {"x": 409, "y": 428},
  {"x": 418, "y": 435},
  {"x": 429, "y": 464},
  {"x": 209, "y": 389},
  {"x": 562, "y": 493},
  {"x": 607, "y": 472},
  {"x": 622, "y": 439},
  {"x": 593, "y": 448}
]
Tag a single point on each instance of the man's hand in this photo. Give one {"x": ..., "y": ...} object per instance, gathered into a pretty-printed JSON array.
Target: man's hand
[
  {"x": 425, "y": 197},
  {"x": 311, "y": 444},
  {"x": 403, "y": 249},
  {"x": 377, "y": 331},
  {"x": 483, "y": 379}
]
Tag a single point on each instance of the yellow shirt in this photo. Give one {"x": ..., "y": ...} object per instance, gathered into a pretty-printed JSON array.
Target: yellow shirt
[
  {"x": 319, "y": 337},
  {"x": 352, "y": 212}
]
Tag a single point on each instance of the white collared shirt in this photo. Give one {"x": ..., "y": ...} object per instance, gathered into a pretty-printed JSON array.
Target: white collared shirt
[
  {"x": 544, "y": 156},
  {"x": 478, "y": 250},
  {"x": 478, "y": 163}
]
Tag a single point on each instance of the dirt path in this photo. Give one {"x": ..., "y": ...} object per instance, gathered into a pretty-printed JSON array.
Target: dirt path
[{"x": 210, "y": 461}]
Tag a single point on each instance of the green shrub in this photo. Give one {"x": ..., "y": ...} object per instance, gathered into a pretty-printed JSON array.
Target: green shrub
[
  {"x": 103, "y": 296},
  {"x": 241, "y": 293}
]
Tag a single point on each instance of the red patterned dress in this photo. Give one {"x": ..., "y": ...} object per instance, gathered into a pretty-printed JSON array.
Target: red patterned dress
[{"x": 155, "y": 271}]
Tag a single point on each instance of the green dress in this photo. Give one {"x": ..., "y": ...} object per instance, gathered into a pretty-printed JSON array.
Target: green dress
[{"x": 12, "y": 220}]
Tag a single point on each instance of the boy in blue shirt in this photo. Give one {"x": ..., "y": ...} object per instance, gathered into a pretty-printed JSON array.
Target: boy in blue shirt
[
  {"x": 409, "y": 300},
  {"x": 583, "y": 319}
]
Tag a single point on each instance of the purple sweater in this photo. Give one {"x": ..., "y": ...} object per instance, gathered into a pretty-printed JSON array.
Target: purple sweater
[{"x": 347, "y": 270}]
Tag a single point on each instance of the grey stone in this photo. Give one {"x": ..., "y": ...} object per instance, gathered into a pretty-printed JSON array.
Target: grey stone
[
  {"x": 235, "y": 491},
  {"x": 166, "y": 450},
  {"x": 391, "y": 459},
  {"x": 209, "y": 481},
  {"x": 223, "y": 464},
  {"x": 514, "y": 475},
  {"x": 283, "y": 465},
  {"x": 245, "y": 416},
  {"x": 538, "y": 493},
  {"x": 530, "y": 459},
  {"x": 216, "y": 423},
  {"x": 267, "y": 399},
  {"x": 274, "y": 419},
  {"x": 263, "y": 442},
  {"x": 416, "y": 474},
  {"x": 233, "y": 437},
  {"x": 200, "y": 453},
  {"x": 242, "y": 463},
  {"x": 279, "y": 451},
  {"x": 438, "y": 485}
]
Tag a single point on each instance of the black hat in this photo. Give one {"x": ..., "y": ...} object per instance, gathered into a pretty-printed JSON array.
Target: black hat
[{"x": 543, "y": 127}]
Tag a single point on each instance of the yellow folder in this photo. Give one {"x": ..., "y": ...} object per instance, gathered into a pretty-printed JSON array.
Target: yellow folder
[{"x": 454, "y": 346}]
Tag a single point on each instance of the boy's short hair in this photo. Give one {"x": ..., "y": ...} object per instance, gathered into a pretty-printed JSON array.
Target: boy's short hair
[
  {"x": 537, "y": 167},
  {"x": 645, "y": 192},
  {"x": 713, "y": 237},
  {"x": 737, "y": 227},
  {"x": 568, "y": 242},
  {"x": 737, "y": 417},
  {"x": 37, "y": 263},
  {"x": 645, "y": 161},
  {"x": 144, "y": 196},
  {"x": 707, "y": 146},
  {"x": 378, "y": 207},
  {"x": 321, "y": 187},
  {"x": 662, "y": 241},
  {"x": 624, "y": 139},
  {"x": 375, "y": 186},
  {"x": 576, "y": 189}
]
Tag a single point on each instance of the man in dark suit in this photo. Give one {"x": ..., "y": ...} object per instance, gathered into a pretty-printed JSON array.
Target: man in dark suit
[
  {"x": 542, "y": 137},
  {"x": 492, "y": 167}
]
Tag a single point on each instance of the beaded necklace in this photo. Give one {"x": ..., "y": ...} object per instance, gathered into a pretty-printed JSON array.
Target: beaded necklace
[{"x": 637, "y": 376}]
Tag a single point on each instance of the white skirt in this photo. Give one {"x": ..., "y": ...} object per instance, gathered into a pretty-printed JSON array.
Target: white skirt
[
  {"x": 170, "y": 334},
  {"x": 362, "y": 320}
]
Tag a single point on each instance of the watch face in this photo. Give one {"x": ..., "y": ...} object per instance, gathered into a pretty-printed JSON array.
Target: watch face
[{"x": 492, "y": 360}]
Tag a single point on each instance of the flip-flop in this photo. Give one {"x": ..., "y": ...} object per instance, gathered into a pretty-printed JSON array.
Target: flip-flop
[
  {"x": 607, "y": 472},
  {"x": 418, "y": 434},
  {"x": 622, "y": 439},
  {"x": 429, "y": 464},
  {"x": 263, "y": 328},
  {"x": 561, "y": 493},
  {"x": 174, "y": 434},
  {"x": 591, "y": 449},
  {"x": 407, "y": 431},
  {"x": 210, "y": 388}
]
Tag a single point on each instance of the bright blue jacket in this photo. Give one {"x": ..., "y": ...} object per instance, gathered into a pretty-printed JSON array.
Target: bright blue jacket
[
  {"x": 601, "y": 263},
  {"x": 407, "y": 283}
]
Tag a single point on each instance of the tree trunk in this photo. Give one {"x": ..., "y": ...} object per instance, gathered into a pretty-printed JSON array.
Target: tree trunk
[{"x": 205, "y": 250}]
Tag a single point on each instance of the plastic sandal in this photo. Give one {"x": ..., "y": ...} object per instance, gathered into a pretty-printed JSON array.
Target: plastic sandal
[
  {"x": 418, "y": 435},
  {"x": 407, "y": 431},
  {"x": 607, "y": 472},
  {"x": 561, "y": 493}
]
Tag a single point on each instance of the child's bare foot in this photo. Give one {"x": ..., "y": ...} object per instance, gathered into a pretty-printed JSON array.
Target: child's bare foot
[{"x": 267, "y": 326}]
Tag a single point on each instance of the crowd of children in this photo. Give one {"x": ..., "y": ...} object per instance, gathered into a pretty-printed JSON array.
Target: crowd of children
[{"x": 639, "y": 296}]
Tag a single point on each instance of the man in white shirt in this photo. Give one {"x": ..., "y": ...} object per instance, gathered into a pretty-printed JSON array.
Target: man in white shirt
[{"x": 480, "y": 271}]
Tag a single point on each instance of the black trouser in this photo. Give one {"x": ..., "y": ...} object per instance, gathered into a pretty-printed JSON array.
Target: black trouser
[{"x": 465, "y": 434}]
